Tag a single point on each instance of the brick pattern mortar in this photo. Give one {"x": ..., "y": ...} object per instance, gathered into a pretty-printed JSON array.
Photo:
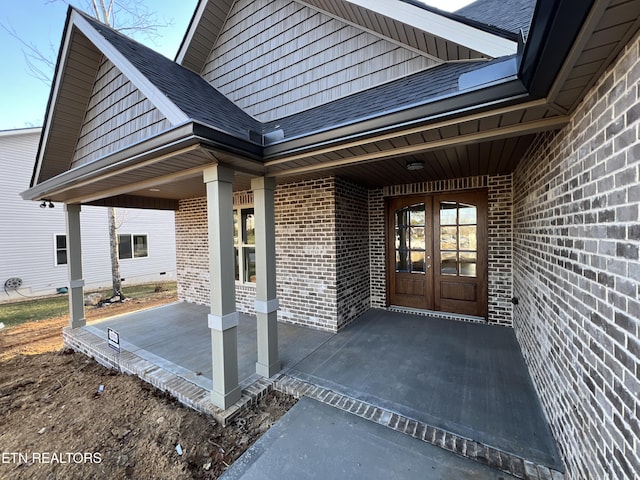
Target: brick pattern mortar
[
  {"x": 306, "y": 253},
  {"x": 577, "y": 270},
  {"x": 322, "y": 245},
  {"x": 352, "y": 251}
]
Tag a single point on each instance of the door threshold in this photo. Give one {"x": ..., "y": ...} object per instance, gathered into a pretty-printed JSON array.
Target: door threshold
[{"x": 432, "y": 313}]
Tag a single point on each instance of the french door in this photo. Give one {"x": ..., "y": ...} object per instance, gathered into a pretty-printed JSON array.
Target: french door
[{"x": 437, "y": 252}]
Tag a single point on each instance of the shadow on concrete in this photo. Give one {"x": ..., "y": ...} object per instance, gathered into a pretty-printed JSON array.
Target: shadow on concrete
[{"x": 466, "y": 378}]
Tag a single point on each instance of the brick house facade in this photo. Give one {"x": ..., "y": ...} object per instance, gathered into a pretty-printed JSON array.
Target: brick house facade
[
  {"x": 329, "y": 270},
  {"x": 577, "y": 273},
  {"x": 473, "y": 170}
]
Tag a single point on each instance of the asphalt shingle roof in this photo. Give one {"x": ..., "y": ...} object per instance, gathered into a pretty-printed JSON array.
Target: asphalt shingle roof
[
  {"x": 201, "y": 102},
  {"x": 186, "y": 89},
  {"x": 419, "y": 88},
  {"x": 482, "y": 24},
  {"x": 510, "y": 15}
]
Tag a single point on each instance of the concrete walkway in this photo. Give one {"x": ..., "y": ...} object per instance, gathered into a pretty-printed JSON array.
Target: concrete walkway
[{"x": 314, "y": 440}]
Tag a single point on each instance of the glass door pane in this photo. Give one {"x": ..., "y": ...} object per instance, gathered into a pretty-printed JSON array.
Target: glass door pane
[
  {"x": 410, "y": 235},
  {"x": 458, "y": 239}
]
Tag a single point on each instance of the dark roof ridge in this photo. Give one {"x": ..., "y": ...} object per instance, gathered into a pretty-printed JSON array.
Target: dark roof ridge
[{"x": 494, "y": 30}]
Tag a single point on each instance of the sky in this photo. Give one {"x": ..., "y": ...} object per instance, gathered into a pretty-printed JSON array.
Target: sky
[{"x": 23, "y": 98}]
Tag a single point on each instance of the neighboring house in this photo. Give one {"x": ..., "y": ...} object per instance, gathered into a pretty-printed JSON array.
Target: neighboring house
[
  {"x": 325, "y": 157},
  {"x": 33, "y": 240}
]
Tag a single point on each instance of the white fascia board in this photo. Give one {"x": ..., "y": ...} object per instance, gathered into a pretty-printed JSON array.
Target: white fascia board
[
  {"x": 186, "y": 42},
  {"x": 59, "y": 74},
  {"x": 484, "y": 42},
  {"x": 148, "y": 89}
]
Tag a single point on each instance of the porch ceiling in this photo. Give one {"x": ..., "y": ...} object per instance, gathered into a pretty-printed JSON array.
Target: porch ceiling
[
  {"x": 477, "y": 144},
  {"x": 485, "y": 158},
  {"x": 471, "y": 145}
]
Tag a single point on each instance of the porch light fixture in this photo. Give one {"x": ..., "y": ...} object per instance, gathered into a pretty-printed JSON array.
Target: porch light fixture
[
  {"x": 44, "y": 204},
  {"x": 415, "y": 165}
]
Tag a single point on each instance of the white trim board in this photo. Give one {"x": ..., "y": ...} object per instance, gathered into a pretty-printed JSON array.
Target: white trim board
[{"x": 473, "y": 38}]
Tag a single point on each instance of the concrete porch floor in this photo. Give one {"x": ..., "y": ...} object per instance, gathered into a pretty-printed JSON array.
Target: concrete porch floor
[
  {"x": 461, "y": 386},
  {"x": 177, "y": 337}
]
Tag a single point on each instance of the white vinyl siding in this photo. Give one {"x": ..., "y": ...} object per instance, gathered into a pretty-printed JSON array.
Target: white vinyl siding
[
  {"x": 27, "y": 239},
  {"x": 274, "y": 58}
]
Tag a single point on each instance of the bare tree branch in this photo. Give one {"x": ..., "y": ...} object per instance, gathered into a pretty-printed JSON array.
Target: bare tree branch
[
  {"x": 40, "y": 65},
  {"x": 131, "y": 16}
]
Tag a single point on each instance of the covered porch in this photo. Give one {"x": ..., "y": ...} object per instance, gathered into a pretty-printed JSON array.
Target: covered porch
[{"x": 461, "y": 386}]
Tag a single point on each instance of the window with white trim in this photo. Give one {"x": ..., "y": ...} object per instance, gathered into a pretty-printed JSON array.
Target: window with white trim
[
  {"x": 61, "y": 249},
  {"x": 132, "y": 246},
  {"x": 244, "y": 241}
]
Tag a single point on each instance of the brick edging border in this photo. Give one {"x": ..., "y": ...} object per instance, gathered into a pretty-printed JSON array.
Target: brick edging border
[
  {"x": 471, "y": 449},
  {"x": 187, "y": 393}
]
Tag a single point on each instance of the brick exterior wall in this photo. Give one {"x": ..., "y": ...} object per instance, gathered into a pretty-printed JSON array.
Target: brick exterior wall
[
  {"x": 377, "y": 262},
  {"x": 321, "y": 253},
  {"x": 576, "y": 270},
  {"x": 500, "y": 260},
  {"x": 306, "y": 253},
  {"x": 192, "y": 251},
  {"x": 499, "y": 224},
  {"x": 352, "y": 251}
]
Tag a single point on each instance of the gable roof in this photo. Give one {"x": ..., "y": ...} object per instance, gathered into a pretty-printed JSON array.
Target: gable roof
[
  {"x": 520, "y": 13},
  {"x": 458, "y": 103},
  {"x": 188, "y": 91},
  {"x": 180, "y": 94},
  {"x": 433, "y": 32}
]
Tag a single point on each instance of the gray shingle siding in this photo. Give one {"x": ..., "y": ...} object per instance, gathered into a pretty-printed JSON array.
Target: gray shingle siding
[
  {"x": 409, "y": 91},
  {"x": 203, "y": 103},
  {"x": 190, "y": 92}
]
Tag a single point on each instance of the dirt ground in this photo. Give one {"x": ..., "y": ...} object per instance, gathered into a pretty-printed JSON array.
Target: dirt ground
[
  {"x": 54, "y": 423},
  {"x": 46, "y": 335}
]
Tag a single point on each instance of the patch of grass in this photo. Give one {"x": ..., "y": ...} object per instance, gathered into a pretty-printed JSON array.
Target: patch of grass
[
  {"x": 137, "y": 291},
  {"x": 22, "y": 311},
  {"x": 43, "y": 308}
]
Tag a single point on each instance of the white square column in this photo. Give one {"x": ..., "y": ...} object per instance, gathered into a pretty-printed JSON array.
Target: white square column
[
  {"x": 223, "y": 320},
  {"x": 266, "y": 296},
  {"x": 74, "y": 266}
]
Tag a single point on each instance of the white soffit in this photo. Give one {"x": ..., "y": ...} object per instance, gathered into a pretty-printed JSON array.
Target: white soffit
[
  {"x": 193, "y": 26},
  {"x": 484, "y": 42}
]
